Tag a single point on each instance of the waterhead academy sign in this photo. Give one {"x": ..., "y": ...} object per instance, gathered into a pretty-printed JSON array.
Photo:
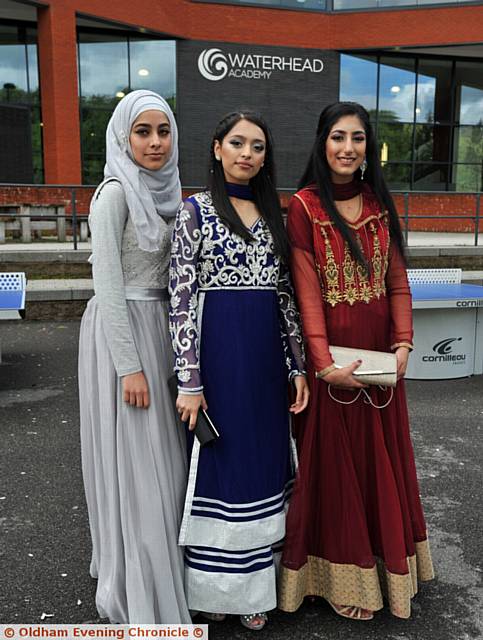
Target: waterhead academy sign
[
  {"x": 284, "y": 84},
  {"x": 216, "y": 64}
]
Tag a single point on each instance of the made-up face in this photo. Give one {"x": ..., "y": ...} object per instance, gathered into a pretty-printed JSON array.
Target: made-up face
[
  {"x": 345, "y": 148},
  {"x": 241, "y": 152},
  {"x": 150, "y": 139}
]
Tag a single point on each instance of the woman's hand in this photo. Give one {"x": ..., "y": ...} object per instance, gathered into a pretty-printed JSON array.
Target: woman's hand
[
  {"x": 303, "y": 394},
  {"x": 343, "y": 377},
  {"x": 188, "y": 406},
  {"x": 402, "y": 356},
  {"x": 135, "y": 390}
]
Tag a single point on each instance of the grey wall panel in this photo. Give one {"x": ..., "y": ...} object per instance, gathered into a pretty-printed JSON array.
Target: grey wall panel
[{"x": 288, "y": 86}]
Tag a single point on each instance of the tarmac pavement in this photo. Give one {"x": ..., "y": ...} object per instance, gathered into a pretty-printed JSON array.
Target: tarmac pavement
[{"x": 45, "y": 546}]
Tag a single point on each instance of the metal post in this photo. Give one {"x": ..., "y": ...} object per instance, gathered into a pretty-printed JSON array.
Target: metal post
[
  {"x": 477, "y": 218},
  {"x": 406, "y": 216},
  {"x": 74, "y": 218}
]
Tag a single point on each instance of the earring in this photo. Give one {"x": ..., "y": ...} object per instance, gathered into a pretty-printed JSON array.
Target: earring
[
  {"x": 363, "y": 168},
  {"x": 217, "y": 158}
]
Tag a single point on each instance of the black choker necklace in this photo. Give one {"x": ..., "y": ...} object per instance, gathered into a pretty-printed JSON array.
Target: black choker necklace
[
  {"x": 347, "y": 190},
  {"x": 241, "y": 191}
]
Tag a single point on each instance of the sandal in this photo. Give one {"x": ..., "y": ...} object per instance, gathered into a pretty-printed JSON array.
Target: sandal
[
  {"x": 351, "y": 612},
  {"x": 254, "y": 621},
  {"x": 213, "y": 617}
]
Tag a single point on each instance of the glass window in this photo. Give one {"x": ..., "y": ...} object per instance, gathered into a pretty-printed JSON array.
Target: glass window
[
  {"x": 397, "y": 87},
  {"x": 103, "y": 66},
  {"x": 358, "y": 80},
  {"x": 398, "y": 175},
  {"x": 13, "y": 70},
  {"x": 469, "y": 92},
  {"x": 395, "y": 141},
  {"x": 434, "y": 91},
  {"x": 468, "y": 154},
  {"x": 153, "y": 66},
  {"x": 432, "y": 143},
  {"x": 432, "y": 177},
  {"x": 354, "y": 4},
  {"x": 19, "y": 83},
  {"x": 33, "y": 68}
]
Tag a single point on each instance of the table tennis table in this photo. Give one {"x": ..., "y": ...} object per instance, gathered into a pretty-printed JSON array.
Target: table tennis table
[
  {"x": 448, "y": 331},
  {"x": 12, "y": 297}
]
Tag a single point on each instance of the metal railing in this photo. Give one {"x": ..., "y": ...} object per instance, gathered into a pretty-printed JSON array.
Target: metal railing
[{"x": 74, "y": 202}]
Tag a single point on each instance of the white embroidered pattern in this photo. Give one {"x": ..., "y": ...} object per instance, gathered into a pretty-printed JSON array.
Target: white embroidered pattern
[{"x": 206, "y": 255}]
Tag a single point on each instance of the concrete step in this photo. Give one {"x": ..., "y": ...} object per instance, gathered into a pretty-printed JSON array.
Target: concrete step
[{"x": 61, "y": 299}]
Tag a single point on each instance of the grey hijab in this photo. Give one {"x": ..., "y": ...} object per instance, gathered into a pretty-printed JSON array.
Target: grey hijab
[{"x": 149, "y": 194}]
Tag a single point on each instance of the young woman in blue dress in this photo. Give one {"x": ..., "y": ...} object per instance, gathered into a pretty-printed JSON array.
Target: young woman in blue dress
[{"x": 237, "y": 343}]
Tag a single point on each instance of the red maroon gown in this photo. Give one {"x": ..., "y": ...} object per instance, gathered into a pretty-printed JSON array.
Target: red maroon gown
[{"x": 355, "y": 527}]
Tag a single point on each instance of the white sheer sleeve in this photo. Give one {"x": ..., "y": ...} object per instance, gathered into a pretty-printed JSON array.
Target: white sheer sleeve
[
  {"x": 183, "y": 289},
  {"x": 290, "y": 325}
]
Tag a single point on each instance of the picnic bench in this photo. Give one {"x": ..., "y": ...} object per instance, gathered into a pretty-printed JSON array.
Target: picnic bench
[{"x": 30, "y": 220}]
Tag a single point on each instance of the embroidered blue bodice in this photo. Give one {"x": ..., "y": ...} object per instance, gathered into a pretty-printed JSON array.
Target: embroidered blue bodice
[{"x": 205, "y": 256}]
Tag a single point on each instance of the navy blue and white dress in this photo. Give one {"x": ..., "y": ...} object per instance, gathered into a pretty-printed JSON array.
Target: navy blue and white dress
[{"x": 236, "y": 336}]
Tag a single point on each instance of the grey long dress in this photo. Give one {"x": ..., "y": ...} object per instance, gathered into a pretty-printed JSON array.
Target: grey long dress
[{"x": 133, "y": 460}]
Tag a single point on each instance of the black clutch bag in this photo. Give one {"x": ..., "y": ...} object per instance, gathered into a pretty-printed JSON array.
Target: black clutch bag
[{"x": 204, "y": 429}]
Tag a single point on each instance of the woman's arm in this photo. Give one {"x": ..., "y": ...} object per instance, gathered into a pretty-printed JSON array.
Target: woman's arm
[
  {"x": 183, "y": 312},
  {"x": 107, "y": 222},
  {"x": 292, "y": 340},
  {"x": 400, "y": 305}
]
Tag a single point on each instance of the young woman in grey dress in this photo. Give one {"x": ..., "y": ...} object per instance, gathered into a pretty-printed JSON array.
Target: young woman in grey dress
[{"x": 133, "y": 451}]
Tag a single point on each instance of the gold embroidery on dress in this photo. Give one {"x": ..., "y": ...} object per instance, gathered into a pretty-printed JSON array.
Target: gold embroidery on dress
[
  {"x": 350, "y": 282},
  {"x": 378, "y": 287},
  {"x": 350, "y": 290},
  {"x": 333, "y": 294}
]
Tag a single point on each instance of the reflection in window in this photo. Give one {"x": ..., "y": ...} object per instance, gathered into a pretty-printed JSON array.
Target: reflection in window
[
  {"x": 398, "y": 175},
  {"x": 397, "y": 87},
  {"x": 19, "y": 83},
  {"x": 469, "y": 152},
  {"x": 379, "y": 4},
  {"x": 422, "y": 103},
  {"x": 432, "y": 177},
  {"x": 358, "y": 80},
  {"x": 397, "y": 140},
  {"x": 152, "y": 66},
  {"x": 103, "y": 68}
]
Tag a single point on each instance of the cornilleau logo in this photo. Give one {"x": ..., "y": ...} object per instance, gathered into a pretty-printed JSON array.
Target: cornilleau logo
[
  {"x": 444, "y": 350},
  {"x": 215, "y": 65}
]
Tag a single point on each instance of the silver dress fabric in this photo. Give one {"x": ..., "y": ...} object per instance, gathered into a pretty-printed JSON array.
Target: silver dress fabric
[{"x": 133, "y": 460}]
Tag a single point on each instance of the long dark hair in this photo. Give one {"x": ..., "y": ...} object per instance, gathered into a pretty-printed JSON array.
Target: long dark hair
[
  {"x": 318, "y": 171},
  {"x": 263, "y": 185}
]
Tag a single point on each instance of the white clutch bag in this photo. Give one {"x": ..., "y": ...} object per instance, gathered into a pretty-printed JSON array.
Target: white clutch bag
[{"x": 378, "y": 367}]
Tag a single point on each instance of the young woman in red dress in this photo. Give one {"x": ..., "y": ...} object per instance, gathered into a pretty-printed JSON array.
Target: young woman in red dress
[{"x": 355, "y": 528}]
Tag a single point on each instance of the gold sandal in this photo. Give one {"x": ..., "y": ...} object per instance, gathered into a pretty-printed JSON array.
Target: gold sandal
[{"x": 350, "y": 612}]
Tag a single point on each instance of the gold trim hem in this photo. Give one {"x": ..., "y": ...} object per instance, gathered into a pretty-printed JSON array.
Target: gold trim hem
[{"x": 351, "y": 585}]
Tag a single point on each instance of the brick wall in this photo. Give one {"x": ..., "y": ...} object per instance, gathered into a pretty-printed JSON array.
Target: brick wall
[{"x": 428, "y": 204}]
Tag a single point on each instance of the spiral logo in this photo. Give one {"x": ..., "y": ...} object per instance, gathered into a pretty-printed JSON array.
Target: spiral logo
[
  {"x": 444, "y": 347},
  {"x": 213, "y": 64}
]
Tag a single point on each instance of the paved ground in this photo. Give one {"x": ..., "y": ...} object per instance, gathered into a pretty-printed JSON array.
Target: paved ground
[
  {"x": 44, "y": 550},
  {"x": 415, "y": 239}
]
